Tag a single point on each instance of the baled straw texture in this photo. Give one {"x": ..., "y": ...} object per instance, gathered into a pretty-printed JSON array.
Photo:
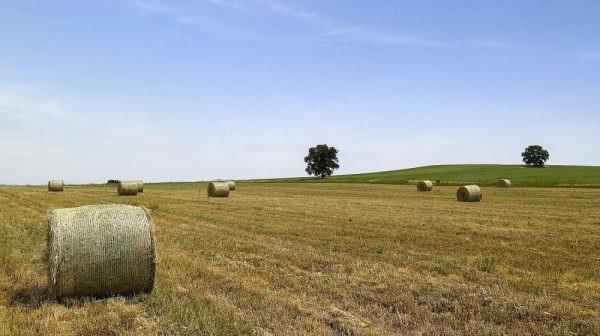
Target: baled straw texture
[
  {"x": 469, "y": 193},
  {"x": 127, "y": 188},
  {"x": 503, "y": 183},
  {"x": 218, "y": 189},
  {"x": 100, "y": 250},
  {"x": 231, "y": 184},
  {"x": 140, "y": 185},
  {"x": 425, "y": 185},
  {"x": 56, "y": 185}
]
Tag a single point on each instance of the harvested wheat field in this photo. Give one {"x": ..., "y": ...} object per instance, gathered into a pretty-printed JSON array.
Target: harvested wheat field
[{"x": 325, "y": 259}]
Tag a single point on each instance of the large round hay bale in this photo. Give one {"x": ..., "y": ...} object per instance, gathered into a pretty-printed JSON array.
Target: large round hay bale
[
  {"x": 503, "y": 183},
  {"x": 469, "y": 193},
  {"x": 139, "y": 183},
  {"x": 55, "y": 185},
  {"x": 140, "y": 186},
  {"x": 424, "y": 185},
  {"x": 127, "y": 188},
  {"x": 100, "y": 250},
  {"x": 231, "y": 184},
  {"x": 218, "y": 189}
]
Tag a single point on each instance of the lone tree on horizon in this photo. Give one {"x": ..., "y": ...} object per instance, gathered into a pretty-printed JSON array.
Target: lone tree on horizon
[
  {"x": 321, "y": 160},
  {"x": 535, "y": 156}
]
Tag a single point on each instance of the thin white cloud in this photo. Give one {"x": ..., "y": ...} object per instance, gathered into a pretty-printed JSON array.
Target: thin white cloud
[
  {"x": 331, "y": 27},
  {"x": 489, "y": 44},
  {"x": 29, "y": 104},
  {"x": 188, "y": 16},
  {"x": 366, "y": 35},
  {"x": 32, "y": 162},
  {"x": 149, "y": 7},
  {"x": 41, "y": 138},
  {"x": 157, "y": 8},
  {"x": 347, "y": 32},
  {"x": 228, "y": 4},
  {"x": 23, "y": 103},
  {"x": 16, "y": 149},
  {"x": 284, "y": 8}
]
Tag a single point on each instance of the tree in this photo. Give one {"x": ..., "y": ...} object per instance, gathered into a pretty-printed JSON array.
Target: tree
[
  {"x": 535, "y": 156},
  {"x": 321, "y": 160}
]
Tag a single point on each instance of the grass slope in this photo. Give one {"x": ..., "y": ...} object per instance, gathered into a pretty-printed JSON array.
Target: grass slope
[{"x": 482, "y": 174}]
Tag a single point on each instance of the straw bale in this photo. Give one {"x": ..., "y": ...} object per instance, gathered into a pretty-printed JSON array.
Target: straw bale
[
  {"x": 469, "y": 193},
  {"x": 100, "y": 250},
  {"x": 218, "y": 189},
  {"x": 425, "y": 185}
]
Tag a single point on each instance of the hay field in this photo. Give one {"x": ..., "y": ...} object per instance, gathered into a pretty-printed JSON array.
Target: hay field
[{"x": 325, "y": 259}]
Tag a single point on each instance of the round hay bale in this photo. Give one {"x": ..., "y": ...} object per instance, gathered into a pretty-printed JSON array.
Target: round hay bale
[
  {"x": 231, "y": 184},
  {"x": 100, "y": 251},
  {"x": 469, "y": 193},
  {"x": 425, "y": 185},
  {"x": 140, "y": 186},
  {"x": 56, "y": 185},
  {"x": 127, "y": 188},
  {"x": 503, "y": 183},
  {"x": 218, "y": 189}
]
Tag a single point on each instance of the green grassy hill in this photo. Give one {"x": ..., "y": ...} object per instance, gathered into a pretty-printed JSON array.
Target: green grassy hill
[{"x": 482, "y": 174}]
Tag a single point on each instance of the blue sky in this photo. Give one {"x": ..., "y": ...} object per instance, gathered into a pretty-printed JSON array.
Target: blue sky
[{"x": 202, "y": 89}]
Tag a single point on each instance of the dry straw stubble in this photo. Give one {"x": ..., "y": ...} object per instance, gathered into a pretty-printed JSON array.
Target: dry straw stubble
[
  {"x": 100, "y": 250},
  {"x": 259, "y": 242},
  {"x": 424, "y": 185},
  {"x": 127, "y": 188},
  {"x": 55, "y": 185},
  {"x": 469, "y": 193},
  {"x": 218, "y": 189}
]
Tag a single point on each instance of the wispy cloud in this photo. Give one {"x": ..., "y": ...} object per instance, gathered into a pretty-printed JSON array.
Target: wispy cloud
[
  {"x": 284, "y": 8},
  {"x": 26, "y": 150},
  {"x": 330, "y": 27},
  {"x": 191, "y": 17},
  {"x": 347, "y": 32},
  {"x": 228, "y": 4},
  {"x": 23, "y": 103},
  {"x": 489, "y": 44},
  {"x": 367, "y": 35},
  {"x": 149, "y": 7},
  {"x": 157, "y": 8}
]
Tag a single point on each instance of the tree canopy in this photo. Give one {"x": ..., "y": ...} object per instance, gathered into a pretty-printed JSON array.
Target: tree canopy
[
  {"x": 535, "y": 156},
  {"x": 321, "y": 160}
]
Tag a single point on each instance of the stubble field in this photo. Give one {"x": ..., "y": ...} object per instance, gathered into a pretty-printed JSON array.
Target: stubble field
[{"x": 325, "y": 259}]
